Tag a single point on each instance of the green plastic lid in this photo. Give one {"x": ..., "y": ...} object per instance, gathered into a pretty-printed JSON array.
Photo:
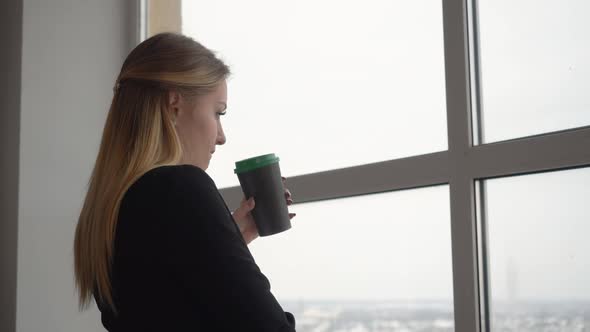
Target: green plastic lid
[{"x": 255, "y": 162}]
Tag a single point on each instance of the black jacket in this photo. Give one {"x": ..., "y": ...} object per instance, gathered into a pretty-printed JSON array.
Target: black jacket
[{"x": 181, "y": 264}]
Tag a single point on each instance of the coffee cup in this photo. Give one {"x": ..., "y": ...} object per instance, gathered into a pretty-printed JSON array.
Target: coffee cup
[{"x": 260, "y": 177}]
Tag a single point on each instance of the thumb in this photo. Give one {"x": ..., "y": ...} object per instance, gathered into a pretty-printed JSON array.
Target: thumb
[
  {"x": 245, "y": 206},
  {"x": 250, "y": 203}
]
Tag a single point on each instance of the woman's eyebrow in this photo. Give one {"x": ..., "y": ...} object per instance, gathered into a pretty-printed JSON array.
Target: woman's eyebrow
[{"x": 224, "y": 105}]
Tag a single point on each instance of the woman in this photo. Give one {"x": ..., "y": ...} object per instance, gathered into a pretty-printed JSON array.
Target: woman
[{"x": 155, "y": 244}]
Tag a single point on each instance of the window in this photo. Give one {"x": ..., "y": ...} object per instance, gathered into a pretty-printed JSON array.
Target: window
[
  {"x": 371, "y": 263},
  {"x": 326, "y": 84},
  {"x": 468, "y": 140},
  {"x": 538, "y": 251},
  {"x": 535, "y": 67}
]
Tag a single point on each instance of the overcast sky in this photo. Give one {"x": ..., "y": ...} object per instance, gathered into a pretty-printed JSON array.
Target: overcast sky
[{"x": 329, "y": 84}]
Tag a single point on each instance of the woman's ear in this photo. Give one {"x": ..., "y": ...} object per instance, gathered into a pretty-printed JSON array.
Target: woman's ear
[{"x": 174, "y": 104}]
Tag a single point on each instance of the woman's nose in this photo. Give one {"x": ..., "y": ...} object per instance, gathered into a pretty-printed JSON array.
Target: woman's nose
[{"x": 220, "y": 137}]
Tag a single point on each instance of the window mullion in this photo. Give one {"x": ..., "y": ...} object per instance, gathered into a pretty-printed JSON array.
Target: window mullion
[{"x": 462, "y": 192}]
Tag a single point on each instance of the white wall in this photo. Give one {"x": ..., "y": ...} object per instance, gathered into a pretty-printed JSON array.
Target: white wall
[{"x": 71, "y": 53}]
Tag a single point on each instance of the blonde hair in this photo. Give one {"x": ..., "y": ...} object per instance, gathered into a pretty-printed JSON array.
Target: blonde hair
[{"x": 138, "y": 135}]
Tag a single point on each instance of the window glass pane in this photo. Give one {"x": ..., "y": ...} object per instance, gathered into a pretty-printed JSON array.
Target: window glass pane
[
  {"x": 539, "y": 253},
  {"x": 325, "y": 84},
  {"x": 378, "y": 262},
  {"x": 535, "y": 66}
]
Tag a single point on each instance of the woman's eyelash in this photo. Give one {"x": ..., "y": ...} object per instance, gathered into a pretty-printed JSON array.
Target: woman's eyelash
[{"x": 220, "y": 113}]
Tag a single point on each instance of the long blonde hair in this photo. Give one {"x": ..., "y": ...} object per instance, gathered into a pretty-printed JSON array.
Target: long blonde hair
[{"x": 138, "y": 136}]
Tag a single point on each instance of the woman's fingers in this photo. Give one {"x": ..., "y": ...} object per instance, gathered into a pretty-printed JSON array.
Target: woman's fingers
[{"x": 288, "y": 197}]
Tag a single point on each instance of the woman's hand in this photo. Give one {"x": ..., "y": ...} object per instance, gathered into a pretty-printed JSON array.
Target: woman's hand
[{"x": 243, "y": 216}]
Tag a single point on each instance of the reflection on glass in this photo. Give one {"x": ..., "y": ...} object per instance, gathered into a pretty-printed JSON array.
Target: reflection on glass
[
  {"x": 535, "y": 66},
  {"x": 325, "y": 84},
  {"x": 539, "y": 253},
  {"x": 379, "y": 262}
]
